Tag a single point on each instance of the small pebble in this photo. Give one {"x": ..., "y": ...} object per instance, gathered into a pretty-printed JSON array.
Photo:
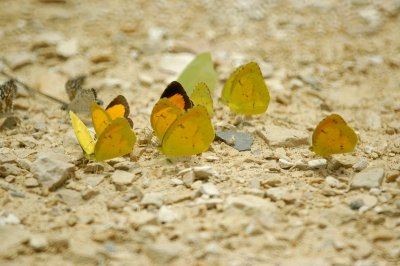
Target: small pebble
[
  {"x": 38, "y": 242},
  {"x": 176, "y": 182},
  {"x": 9, "y": 219},
  {"x": 285, "y": 164},
  {"x": 152, "y": 198},
  {"x": 356, "y": 204},
  {"x": 68, "y": 48},
  {"x": 209, "y": 189},
  {"x": 317, "y": 164},
  {"x": 332, "y": 182},
  {"x": 166, "y": 215},
  {"x": 121, "y": 178},
  {"x": 360, "y": 165},
  {"x": 31, "y": 182},
  {"x": 188, "y": 178},
  {"x": 392, "y": 175}
]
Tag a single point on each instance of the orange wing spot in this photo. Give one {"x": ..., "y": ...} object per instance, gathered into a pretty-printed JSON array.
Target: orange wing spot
[
  {"x": 178, "y": 100},
  {"x": 116, "y": 111}
]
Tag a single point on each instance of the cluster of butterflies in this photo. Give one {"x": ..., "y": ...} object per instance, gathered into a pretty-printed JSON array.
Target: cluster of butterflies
[{"x": 181, "y": 118}]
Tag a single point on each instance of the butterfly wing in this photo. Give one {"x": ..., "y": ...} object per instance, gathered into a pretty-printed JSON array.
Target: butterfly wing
[
  {"x": 245, "y": 92},
  {"x": 333, "y": 136},
  {"x": 119, "y": 107},
  {"x": 163, "y": 115},
  {"x": 116, "y": 140},
  {"x": 100, "y": 118},
  {"x": 82, "y": 101},
  {"x": 177, "y": 95},
  {"x": 202, "y": 96},
  {"x": 201, "y": 69},
  {"x": 82, "y": 134},
  {"x": 191, "y": 133},
  {"x": 72, "y": 86}
]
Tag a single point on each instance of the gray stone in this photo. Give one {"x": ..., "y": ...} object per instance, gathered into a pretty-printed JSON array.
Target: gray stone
[
  {"x": 52, "y": 170},
  {"x": 209, "y": 189},
  {"x": 240, "y": 141},
  {"x": 362, "y": 202},
  {"x": 317, "y": 163},
  {"x": 122, "y": 178},
  {"x": 38, "y": 242},
  {"x": 153, "y": 198},
  {"x": 163, "y": 253},
  {"x": 284, "y": 137},
  {"x": 368, "y": 178},
  {"x": 356, "y": 204}
]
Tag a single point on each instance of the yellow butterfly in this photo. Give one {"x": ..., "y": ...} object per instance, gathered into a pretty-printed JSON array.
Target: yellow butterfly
[
  {"x": 333, "y": 136},
  {"x": 183, "y": 129},
  {"x": 245, "y": 92},
  {"x": 113, "y": 131},
  {"x": 201, "y": 96}
]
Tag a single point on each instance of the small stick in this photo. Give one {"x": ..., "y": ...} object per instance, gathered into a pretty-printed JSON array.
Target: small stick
[{"x": 33, "y": 90}]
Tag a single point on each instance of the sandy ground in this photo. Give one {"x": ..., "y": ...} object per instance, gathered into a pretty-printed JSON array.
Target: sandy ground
[{"x": 260, "y": 207}]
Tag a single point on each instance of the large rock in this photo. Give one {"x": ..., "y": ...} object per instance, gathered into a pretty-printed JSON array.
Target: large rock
[
  {"x": 250, "y": 204},
  {"x": 52, "y": 170},
  {"x": 284, "y": 137},
  {"x": 368, "y": 178},
  {"x": 122, "y": 178}
]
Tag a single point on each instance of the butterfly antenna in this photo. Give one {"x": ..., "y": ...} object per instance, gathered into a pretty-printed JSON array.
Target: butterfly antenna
[{"x": 27, "y": 87}]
